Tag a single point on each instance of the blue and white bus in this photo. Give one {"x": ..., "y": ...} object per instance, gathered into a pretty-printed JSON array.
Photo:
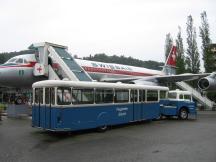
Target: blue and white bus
[{"x": 69, "y": 105}]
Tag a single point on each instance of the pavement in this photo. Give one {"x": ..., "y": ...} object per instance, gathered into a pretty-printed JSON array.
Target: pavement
[{"x": 167, "y": 140}]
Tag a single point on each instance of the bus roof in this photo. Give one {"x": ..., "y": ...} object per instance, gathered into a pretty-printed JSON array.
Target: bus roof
[
  {"x": 180, "y": 92},
  {"x": 82, "y": 84}
]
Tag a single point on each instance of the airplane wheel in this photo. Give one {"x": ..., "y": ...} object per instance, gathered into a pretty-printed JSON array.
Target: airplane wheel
[{"x": 183, "y": 114}]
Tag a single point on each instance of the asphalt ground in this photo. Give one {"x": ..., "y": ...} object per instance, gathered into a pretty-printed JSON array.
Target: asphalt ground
[{"x": 167, "y": 140}]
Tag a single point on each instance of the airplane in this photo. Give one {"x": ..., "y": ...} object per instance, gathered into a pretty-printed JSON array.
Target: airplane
[{"x": 18, "y": 72}]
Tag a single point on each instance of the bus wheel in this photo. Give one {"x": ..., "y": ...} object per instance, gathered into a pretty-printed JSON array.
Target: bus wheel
[
  {"x": 183, "y": 114},
  {"x": 102, "y": 128}
]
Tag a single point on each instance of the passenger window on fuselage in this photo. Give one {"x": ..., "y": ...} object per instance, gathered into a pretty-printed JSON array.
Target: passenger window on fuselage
[
  {"x": 83, "y": 96},
  {"x": 152, "y": 95},
  {"x": 121, "y": 96},
  {"x": 103, "y": 96},
  {"x": 63, "y": 96}
]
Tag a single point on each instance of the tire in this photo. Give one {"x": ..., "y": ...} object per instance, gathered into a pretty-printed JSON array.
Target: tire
[
  {"x": 102, "y": 128},
  {"x": 19, "y": 101},
  {"x": 183, "y": 114}
]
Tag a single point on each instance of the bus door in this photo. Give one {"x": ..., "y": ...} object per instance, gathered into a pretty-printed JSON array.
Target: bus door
[
  {"x": 142, "y": 103},
  {"x": 151, "y": 108},
  {"x": 136, "y": 105},
  {"x": 49, "y": 99},
  {"x": 36, "y": 111}
]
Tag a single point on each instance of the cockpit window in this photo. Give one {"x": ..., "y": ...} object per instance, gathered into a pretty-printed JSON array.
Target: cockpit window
[
  {"x": 19, "y": 61},
  {"x": 12, "y": 60},
  {"x": 24, "y": 61}
]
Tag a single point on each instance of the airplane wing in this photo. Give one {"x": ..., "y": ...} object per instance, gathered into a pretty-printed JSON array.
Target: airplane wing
[
  {"x": 180, "y": 77},
  {"x": 158, "y": 78}
]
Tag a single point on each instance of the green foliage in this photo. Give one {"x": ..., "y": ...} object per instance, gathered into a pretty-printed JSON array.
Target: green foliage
[
  {"x": 192, "y": 58},
  {"x": 180, "y": 60},
  {"x": 168, "y": 45},
  {"x": 125, "y": 60},
  {"x": 208, "y": 58}
]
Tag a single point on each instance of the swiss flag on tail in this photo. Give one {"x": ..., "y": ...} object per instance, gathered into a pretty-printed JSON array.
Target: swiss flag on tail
[{"x": 171, "y": 59}]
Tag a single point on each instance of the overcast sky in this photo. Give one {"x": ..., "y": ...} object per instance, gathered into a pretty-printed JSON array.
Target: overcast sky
[{"x": 134, "y": 28}]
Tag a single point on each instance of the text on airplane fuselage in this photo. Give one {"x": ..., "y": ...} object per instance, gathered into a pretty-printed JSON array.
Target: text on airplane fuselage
[{"x": 113, "y": 67}]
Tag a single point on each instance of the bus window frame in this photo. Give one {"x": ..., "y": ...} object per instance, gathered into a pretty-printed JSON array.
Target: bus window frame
[
  {"x": 39, "y": 96},
  {"x": 120, "y": 89},
  {"x": 56, "y": 96},
  {"x": 132, "y": 93},
  {"x": 111, "y": 89},
  {"x": 147, "y": 96},
  {"x": 82, "y": 102},
  {"x": 166, "y": 94}
]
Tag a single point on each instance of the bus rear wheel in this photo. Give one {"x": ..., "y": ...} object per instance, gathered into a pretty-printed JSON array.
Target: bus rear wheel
[
  {"x": 183, "y": 114},
  {"x": 102, "y": 128}
]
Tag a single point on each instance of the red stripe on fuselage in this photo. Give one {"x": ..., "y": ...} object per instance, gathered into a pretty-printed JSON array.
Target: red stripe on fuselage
[
  {"x": 110, "y": 71},
  {"x": 31, "y": 64}
]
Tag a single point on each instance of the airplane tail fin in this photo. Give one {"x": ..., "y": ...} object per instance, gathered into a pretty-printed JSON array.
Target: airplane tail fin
[{"x": 170, "y": 64}]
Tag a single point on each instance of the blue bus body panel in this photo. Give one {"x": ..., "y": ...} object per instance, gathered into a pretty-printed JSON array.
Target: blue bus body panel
[
  {"x": 172, "y": 107},
  {"x": 85, "y": 117}
]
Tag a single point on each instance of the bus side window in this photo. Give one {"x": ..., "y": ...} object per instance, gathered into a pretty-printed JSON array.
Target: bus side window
[
  {"x": 47, "y": 96},
  {"x": 83, "y": 96},
  {"x": 52, "y": 95},
  {"x": 144, "y": 95},
  {"x": 103, "y": 96},
  {"x": 63, "y": 96},
  {"x": 181, "y": 96},
  {"x": 163, "y": 94},
  {"x": 121, "y": 96},
  {"x": 187, "y": 97},
  {"x": 39, "y": 95},
  {"x": 152, "y": 95},
  {"x": 133, "y": 95},
  {"x": 140, "y": 95}
]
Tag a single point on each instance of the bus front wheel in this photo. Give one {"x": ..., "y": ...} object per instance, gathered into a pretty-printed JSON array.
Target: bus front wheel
[{"x": 183, "y": 114}]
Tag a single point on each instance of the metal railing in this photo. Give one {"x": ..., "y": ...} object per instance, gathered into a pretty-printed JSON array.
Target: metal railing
[{"x": 196, "y": 94}]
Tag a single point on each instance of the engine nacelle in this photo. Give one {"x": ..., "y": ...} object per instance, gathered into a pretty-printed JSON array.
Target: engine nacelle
[{"x": 207, "y": 83}]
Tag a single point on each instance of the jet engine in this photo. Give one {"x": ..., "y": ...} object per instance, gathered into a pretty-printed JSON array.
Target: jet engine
[{"x": 208, "y": 83}]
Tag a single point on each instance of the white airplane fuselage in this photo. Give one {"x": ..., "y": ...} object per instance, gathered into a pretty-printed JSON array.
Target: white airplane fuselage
[
  {"x": 100, "y": 70},
  {"x": 18, "y": 72}
]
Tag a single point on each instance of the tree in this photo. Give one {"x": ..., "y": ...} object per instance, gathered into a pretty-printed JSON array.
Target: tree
[
  {"x": 207, "y": 55},
  {"x": 168, "y": 45},
  {"x": 180, "y": 60},
  {"x": 192, "y": 58}
]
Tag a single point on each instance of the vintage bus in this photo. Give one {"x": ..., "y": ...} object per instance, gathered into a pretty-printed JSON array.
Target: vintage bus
[{"x": 70, "y": 105}]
